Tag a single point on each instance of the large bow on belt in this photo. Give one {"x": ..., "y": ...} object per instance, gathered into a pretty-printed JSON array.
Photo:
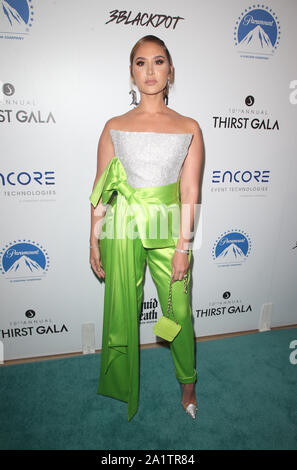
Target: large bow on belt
[
  {"x": 147, "y": 203},
  {"x": 113, "y": 178}
]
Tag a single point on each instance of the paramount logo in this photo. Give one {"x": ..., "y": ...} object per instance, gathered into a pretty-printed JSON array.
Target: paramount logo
[
  {"x": 24, "y": 260},
  {"x": 257, "y": 32},
  {"x": 231, "y": 248}
]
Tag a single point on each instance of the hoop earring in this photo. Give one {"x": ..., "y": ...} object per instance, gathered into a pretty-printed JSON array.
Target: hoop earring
[{"x": 134, "y": 97}]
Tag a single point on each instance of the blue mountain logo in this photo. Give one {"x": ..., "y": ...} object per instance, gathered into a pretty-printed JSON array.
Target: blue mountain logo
[
  {"x": 231, "y": 248},
  {"x": 23, "y": 261},
  {"x": 256, "y": 39},
  {"x": 16, "y": 16},
  {"x": 257, "y": 32}
]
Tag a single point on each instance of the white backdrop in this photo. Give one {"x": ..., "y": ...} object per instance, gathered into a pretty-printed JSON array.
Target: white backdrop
[{"x": 64, "y": 72}]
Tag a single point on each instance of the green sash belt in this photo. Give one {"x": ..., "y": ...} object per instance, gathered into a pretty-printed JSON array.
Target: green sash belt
[
  {"x": 154, "y": 208},
  {"x": 119, "y": 371}
]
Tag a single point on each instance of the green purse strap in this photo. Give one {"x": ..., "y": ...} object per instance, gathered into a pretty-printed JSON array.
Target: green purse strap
[{"x": 169, "y": 306}]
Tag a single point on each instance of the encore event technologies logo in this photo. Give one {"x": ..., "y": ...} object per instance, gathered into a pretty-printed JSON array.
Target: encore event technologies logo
[
  {"x": 16, "y": 18},
  {"x": 257, "y": 32}
]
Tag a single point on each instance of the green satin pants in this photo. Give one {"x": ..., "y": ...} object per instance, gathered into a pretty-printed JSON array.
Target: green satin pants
[
  {"x": 119, "y": 371},
  {"x": 124, "y": 259}
]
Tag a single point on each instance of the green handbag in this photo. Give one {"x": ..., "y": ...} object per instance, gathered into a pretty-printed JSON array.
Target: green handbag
[{"x": 166, "y": 328}]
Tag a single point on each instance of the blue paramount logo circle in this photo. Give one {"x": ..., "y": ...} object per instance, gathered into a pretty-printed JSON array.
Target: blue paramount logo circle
[
  {"x": 24, "y": 260},
  {"x": 257, "y": 32},
  {"x": 16, "y": 16},
  {"x": 231, "y": 248}
]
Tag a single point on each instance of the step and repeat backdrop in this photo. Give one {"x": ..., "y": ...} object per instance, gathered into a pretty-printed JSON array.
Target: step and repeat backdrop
[{"x": 64, "y": 73}]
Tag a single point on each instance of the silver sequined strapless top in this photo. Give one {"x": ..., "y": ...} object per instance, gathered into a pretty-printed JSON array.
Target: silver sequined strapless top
[{"x": 150, "y": 158}]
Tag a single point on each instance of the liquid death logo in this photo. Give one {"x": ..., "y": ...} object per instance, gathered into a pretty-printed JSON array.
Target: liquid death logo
[
  {"x": 257, "y": 32},
  {"x": 148, "y": 312},
  {"x": 24, "y": 260}
]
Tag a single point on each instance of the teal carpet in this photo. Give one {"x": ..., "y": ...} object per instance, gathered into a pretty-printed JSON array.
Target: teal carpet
[{"x": 246, "y": 390}]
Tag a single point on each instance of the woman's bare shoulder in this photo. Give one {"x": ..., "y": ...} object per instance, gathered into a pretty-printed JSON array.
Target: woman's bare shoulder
[
  {"x": 117, "y": 122},
  {"x": 186, "y": 123}
]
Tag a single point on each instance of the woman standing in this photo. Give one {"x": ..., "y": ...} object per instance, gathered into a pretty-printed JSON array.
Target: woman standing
[{"x": 150, "y": 156}]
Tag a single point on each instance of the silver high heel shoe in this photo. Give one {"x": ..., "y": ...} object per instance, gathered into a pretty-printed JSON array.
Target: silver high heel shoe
[{"x": 191, "y": 409}]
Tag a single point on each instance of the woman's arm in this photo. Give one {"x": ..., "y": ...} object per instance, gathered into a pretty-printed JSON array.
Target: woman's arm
[
  {"x": 105, "y": 153},
  {"x": 189, "y": 194}
]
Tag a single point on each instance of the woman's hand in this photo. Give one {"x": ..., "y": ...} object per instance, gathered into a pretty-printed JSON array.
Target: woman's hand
[
  {"x": 95, "y": 261},
  {"x": 180, "y": 265}
]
